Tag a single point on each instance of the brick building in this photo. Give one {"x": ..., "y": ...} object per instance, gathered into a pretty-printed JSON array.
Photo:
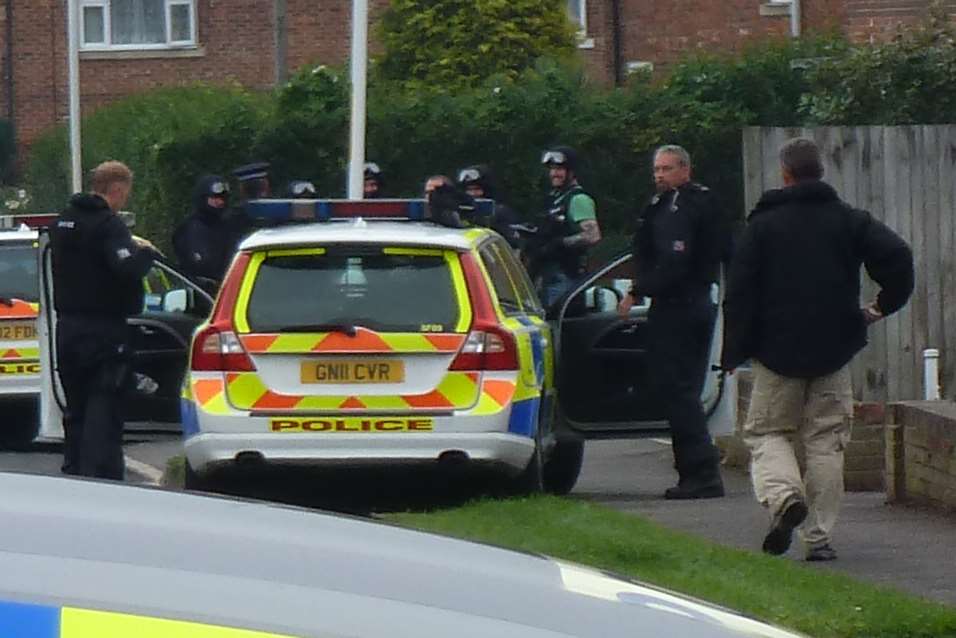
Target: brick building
[
  {"x": 619, "y": 35},
  {"x": 132, "y": 45}
]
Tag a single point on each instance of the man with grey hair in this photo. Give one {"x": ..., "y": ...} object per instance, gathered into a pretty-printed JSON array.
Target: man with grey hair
[
  {"x": 793, "y": 308},
  {"x": 682, "y": 236}
]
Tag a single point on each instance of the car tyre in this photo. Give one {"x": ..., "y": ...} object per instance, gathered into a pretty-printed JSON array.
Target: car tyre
[
  {"x": 21, "y": 424},
  {"x": 563, "y": 466},
  {"x": 198, "y": 482}
]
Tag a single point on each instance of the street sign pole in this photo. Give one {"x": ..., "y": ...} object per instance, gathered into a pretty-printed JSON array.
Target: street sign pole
[
  {"x": 359, "y": 87},
  {"x": 72, "y": 9}
]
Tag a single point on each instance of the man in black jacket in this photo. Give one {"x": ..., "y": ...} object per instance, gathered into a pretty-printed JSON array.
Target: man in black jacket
[
  {"x": 98, "y": 269},
  {"x": 205, "y": 242},
  {"x": 680, "y": 240},
  {"x": 793, "y": 308}
]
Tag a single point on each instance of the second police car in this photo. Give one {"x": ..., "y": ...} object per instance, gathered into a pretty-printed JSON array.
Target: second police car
[{"x": 376, "y": 341}]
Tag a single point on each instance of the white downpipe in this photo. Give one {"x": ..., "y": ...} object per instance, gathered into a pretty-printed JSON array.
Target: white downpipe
[
  {"x": 359, "y": 85},
  {"x": 73, "y": 38},
  {"x": 795, "y": 18},
  {"x": 931, "y": 374}
]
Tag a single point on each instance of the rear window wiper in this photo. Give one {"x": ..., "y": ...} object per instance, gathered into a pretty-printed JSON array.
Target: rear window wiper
[{"x": 345, "y": 328}]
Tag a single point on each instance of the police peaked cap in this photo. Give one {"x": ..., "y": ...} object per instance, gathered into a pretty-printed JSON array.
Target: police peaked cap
[{"x": 256, "y": 170}]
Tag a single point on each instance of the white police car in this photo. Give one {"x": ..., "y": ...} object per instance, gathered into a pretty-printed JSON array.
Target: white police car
[{"x": 354, "y": 341}]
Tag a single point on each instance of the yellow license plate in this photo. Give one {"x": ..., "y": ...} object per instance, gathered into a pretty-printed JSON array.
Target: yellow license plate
[
  {"x": 353, "y": 371},
  {"x": 18, "y": 330}
]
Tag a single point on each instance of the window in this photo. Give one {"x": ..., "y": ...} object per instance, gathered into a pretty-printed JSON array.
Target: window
[
  {"x": 388, "y": 290},
  {"x": 504, "y": 287},
  {"x": 519, "y": 276},
  {"x": 137, "y": 24},
  {"x": 578, "y": 10},
  {"x": 18, "y": 272}
]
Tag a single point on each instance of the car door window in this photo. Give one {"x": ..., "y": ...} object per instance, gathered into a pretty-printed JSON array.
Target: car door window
[
  {"x": 501, "y": 281},
  {"x": 167, "y": 291},
  {"x": 519, "y": 277}
]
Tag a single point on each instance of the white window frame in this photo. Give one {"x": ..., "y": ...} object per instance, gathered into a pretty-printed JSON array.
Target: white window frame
[{"x": 107, "y": 45}]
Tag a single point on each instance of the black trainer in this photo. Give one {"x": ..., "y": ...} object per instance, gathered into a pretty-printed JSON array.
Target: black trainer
[
  {"x": 821, "y": 553},
  {"x": 778, "y": 539},
  {"x": 691, "y": 490}
]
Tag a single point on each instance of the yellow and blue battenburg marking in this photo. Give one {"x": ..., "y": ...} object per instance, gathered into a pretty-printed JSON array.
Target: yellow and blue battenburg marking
[{"x": 19, "y": 620}]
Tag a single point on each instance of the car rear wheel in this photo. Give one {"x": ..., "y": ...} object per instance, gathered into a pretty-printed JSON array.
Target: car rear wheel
[
  {"x": 200, "y": 482},
  {"x": 20, "y": 425},
  {"x": 563, "y": 467}
]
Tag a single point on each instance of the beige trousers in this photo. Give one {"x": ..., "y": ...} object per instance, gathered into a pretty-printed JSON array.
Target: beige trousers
[{"x": 814, "y": 414}]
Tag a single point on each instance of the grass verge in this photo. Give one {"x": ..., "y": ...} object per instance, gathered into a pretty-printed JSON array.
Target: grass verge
[
  {"x": 805, "y": 598},
  {"x": 175, "y": 473}
]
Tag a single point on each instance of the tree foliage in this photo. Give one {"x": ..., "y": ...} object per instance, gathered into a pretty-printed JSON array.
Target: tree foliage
[
  {"x": 457, "y": 43},
  {"x": 909, "y": 80}
]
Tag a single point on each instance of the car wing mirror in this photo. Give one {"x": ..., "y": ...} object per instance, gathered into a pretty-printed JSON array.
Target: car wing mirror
[{"x": 176, "y": 300}]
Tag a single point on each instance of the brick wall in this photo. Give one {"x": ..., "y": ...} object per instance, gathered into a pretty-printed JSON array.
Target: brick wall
[
  {"x": 878, "y": 20},
  {"x": 236, "y": 44},
  {"x": 921, "y": 454}
]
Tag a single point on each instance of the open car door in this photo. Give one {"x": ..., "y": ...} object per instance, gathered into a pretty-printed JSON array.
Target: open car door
[
  {"x": 604, "y": 379},
  {"x": 159, "y": 339}
]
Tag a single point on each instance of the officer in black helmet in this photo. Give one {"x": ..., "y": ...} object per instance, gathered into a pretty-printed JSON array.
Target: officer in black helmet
[
  {"x": 477, "y": 182},
  {"x": 205, "y": 241},
  {"x": 373, "y": 181},
  {"x": 253, "y": 181},
  {"x": 566, "y": 231}
]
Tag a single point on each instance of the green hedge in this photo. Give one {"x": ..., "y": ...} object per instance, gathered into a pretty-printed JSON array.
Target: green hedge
[
  {"x": 168, "y": 137},
  {"x": 172, "y": 136}
]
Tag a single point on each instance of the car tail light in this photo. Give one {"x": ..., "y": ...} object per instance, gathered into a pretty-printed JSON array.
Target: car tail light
[
  {"x": 489, "y": 346},
  {"x": 216, "y": 348}
]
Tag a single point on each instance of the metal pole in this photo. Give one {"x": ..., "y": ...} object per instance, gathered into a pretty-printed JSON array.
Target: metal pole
[
  {"x": 359, "y": 84},
  {"x": 73, "y": 24},
  {"x": 795, "y": 18},
  {"x": 931, "y": 374}
]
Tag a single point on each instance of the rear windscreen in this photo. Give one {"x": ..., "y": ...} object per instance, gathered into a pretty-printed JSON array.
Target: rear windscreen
[
  {"x": 390, "y": 290},
  {"x": 18, "y": 272}
]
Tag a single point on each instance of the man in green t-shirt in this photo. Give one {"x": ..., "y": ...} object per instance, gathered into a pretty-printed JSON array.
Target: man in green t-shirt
[{"x": 566, "y": 231}]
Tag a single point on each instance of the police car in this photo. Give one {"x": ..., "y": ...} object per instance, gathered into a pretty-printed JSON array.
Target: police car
[
  {"x": 19, "y": 349},
  {"x": 364, "y": 335}
]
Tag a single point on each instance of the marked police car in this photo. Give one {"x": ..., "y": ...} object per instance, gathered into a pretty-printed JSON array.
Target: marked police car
[
  {"x": 401, "y": 341},
  {"x": 19, "y": 349}
]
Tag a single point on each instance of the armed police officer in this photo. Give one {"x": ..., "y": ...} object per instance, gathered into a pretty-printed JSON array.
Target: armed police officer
[
  {"x": 682, "y": 236},
  {"x": 478, "y": 182},
  {"x": 373, "y": 181},
  {"x": 558, "y": 252},
  {"x": 205, "y": 242},
  {"x": 98, "y": 269}
]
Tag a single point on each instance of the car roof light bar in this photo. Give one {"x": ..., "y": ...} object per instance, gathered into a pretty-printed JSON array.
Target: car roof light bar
[{"x": 278, "y": 211}]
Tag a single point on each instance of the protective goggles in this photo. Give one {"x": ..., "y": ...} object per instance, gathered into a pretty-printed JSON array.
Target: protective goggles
[
  {"x": 219, "y": 188},
  {"x": 554, "y": 157},
  {"x": 302, "y": 188},
  {"x": 469, "y": 175},
  {"x": 371, "y": 168}
]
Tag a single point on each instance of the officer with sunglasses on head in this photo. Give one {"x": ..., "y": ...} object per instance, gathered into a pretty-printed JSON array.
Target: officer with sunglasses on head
[{"x": 557, "y": 253}]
